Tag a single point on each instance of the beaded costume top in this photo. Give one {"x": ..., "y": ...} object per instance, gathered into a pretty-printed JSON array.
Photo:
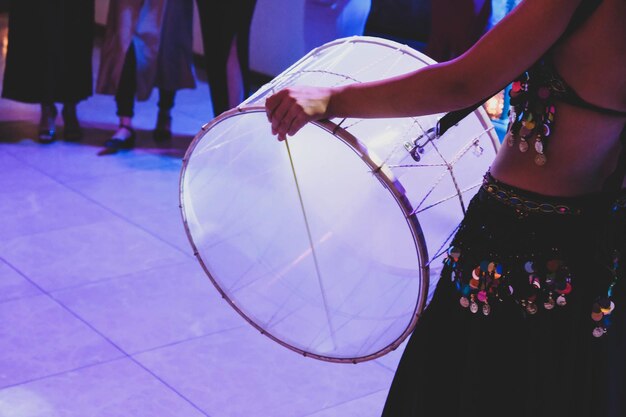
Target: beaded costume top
[{"x": 532, "y": 98}]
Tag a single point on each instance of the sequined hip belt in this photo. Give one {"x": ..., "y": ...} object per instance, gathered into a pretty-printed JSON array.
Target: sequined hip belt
[
  {"x": 520, "y": 246},
  {"x": 528, "y": 202}
]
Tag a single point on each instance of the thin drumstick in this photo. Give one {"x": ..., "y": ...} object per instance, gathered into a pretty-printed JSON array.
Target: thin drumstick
[{"x": 313, "y": 253}]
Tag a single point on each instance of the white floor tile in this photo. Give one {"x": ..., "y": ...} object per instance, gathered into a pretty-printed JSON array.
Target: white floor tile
[
  {"x": 116, "y": 389},
  {"x": 82, "y": 254},
  {"x": 39, "y": 338},
  {"x": 149, "y": 199},
  {"x": 75, "y": 161},
  {"x": 17, "y": 176},
  {"x": 33, "y": 210},
  {"x": 13, "y": 285},
  {"x": 243, "y": 373},
  {"x": 368, "y": 406},
  {"x": 153, "y": 308}
]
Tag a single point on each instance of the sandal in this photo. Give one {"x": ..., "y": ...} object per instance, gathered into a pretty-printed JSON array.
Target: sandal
[{"x": 120, "y": 140}]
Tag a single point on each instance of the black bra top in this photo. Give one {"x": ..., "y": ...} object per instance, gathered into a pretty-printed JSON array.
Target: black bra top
[{"x": 561, "y": 91}]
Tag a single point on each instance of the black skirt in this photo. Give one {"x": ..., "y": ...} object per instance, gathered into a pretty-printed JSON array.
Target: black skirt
[
  {"x": 528, "y": 316},
  {"x": 50, "y": 51}
]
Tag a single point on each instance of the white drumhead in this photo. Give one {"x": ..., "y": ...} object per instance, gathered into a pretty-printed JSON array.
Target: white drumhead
[{"x": 243, "y": 211}]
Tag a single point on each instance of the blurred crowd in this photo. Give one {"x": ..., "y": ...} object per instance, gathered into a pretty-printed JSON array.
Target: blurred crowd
[{"x": 147, "y": 44}]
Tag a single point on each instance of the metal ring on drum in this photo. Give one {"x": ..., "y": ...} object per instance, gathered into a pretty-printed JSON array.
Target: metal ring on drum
[{"x": 331, "y": 242}]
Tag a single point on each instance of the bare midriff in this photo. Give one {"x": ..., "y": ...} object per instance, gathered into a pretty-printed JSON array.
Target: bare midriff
[{"x": 583, "y": 151}]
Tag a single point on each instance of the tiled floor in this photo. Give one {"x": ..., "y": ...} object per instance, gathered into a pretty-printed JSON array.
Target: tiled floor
[{"x": 103, "y": 309}]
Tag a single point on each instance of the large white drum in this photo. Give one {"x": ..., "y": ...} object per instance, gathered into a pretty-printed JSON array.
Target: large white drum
[{"x": 330, "y": 242}]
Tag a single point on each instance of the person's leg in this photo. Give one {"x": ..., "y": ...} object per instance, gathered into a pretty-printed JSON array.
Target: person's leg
[
  {"x": 47, "y": 127},
  {"x": 124, "y": 137},
  {"x": 163, "y": 130},
  {"x": 127, "y": 86},
  {"x": 71, "y": 127},
  {"x": 218, "y": 32},
  {"x": 75, "y": 81},
  {"x": 51, "y": 35},
  {"x": 243, "y": 43}
]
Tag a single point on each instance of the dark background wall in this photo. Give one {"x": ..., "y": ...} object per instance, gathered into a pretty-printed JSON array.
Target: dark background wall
[{"x": 406, "y": 21}]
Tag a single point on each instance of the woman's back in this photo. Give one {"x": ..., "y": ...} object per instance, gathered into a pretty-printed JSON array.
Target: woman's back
[{"x": 584, "y": 144}]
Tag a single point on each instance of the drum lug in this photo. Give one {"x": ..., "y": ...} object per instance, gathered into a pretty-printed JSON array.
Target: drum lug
[
  {"x": 415, "y": 148},
  {"x": 412, "y": 150}
]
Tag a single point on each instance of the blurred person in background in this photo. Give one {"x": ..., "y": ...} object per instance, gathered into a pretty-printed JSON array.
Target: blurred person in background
[
  {"x": 49, "y": 60},
  {"x": 455, "y": 26},
  {"x": 147, "y": 44},
  {"x": 225, "y": 26}
]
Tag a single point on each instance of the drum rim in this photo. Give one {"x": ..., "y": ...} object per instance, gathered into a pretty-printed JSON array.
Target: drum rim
[{"x": 361, "y": 151}]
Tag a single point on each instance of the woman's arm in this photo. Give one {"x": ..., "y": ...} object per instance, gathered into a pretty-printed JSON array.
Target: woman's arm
[{"x": 503, "y": 53}]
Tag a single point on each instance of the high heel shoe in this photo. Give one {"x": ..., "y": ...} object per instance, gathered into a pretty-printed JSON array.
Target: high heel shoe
[
  {"x": 47, "y": 126},
  {"x": 123, "y": 138},
  {"x": 71, "y": 127},
  {"x": 163, "y": 130}
]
